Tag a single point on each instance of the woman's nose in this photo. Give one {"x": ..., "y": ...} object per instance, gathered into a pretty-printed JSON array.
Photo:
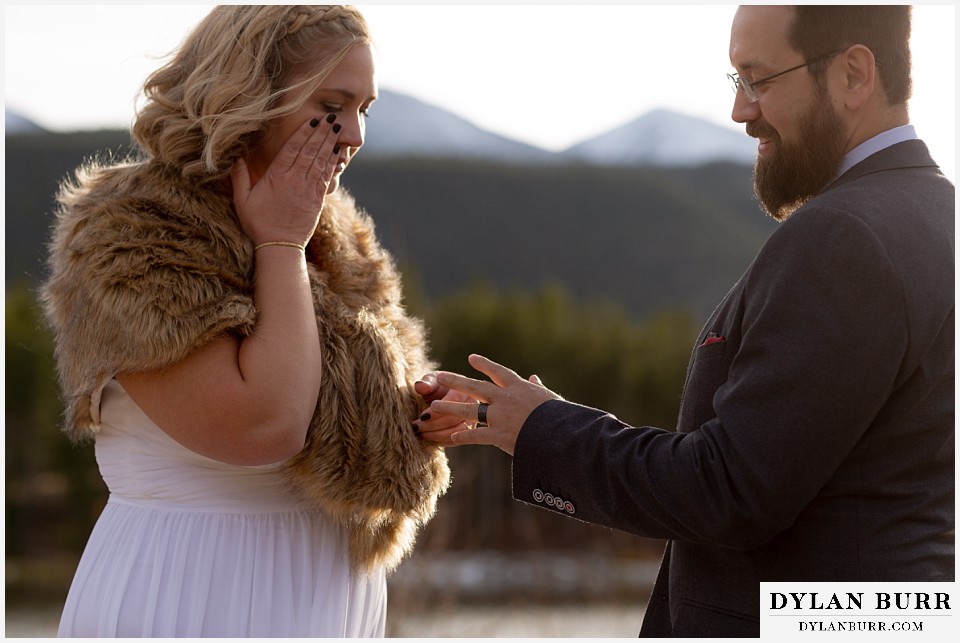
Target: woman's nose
[{"x": 352, "y": 132}]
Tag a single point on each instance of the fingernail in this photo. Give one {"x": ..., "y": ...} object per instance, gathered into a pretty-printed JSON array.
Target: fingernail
[
  {"x": 314, "y": 122},
  {"x": 336, "y": 149},
  {"x": 416, "y": 429},
  {"x": 336, "y": 128},
  {"x": 331, "y": 118},
  {"x": 425, "y": 417}
]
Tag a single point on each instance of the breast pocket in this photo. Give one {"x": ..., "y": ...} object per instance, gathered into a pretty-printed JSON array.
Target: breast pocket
[{"x": 709, "y": 369}]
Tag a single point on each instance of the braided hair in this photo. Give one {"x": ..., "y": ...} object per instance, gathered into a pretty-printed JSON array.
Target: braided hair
[{"x": 210, "y": 103}]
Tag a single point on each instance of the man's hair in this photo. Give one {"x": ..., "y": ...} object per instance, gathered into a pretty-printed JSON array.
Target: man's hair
[
  {"x": 210, "y": 104},
  {"x": 817, "y": 30}
]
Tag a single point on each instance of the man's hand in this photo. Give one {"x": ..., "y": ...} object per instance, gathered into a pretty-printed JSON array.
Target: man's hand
[{"x": 509, "y": 401}]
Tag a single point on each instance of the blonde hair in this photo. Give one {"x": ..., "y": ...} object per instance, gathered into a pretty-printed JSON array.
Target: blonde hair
[{"x": 210, "y": 103}]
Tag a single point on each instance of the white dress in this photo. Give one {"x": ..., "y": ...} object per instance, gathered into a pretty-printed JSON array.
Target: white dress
[{"x": 188, "y": 546}]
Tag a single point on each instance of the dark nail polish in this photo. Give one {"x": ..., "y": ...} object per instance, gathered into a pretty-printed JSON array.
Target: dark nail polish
[
  {"x": 336, "y": 128},
  {"x": 425, "y": 417},
  {"x": 314, "y": 122},
  {"x": 336, "y": 149},
  {"x": 331, "y": 118},
  {"x": 416, "y": 429}
]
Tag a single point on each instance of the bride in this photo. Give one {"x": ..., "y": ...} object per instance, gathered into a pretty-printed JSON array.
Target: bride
[{"x": 231, "y": 334}]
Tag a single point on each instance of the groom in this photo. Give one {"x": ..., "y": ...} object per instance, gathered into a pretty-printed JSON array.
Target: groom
[{"x": 815, "y": 440}]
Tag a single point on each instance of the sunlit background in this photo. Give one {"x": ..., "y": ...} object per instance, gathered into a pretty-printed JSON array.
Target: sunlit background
[{"x": 550, "y": 75}]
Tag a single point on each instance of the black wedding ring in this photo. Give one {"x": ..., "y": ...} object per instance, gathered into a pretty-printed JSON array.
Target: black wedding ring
[{"x": 482, "y": 414}]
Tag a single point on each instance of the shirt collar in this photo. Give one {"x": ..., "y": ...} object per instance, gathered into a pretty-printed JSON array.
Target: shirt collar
[{"x": 873, "y": 145}]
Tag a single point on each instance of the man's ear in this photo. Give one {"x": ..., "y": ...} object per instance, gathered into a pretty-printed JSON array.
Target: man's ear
[{"x": 858, "y": 80}]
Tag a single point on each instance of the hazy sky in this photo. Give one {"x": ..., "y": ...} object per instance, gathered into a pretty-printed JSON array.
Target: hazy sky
[{"x": 550, "y": 75}]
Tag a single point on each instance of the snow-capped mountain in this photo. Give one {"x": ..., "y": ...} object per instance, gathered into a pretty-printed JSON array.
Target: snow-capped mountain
[
  {"x": 663, "y": 137},
  {"x": 400, "y": 125}
]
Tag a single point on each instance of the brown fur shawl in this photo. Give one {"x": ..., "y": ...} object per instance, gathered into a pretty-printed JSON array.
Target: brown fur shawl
[{"x": 146, "y": 265}]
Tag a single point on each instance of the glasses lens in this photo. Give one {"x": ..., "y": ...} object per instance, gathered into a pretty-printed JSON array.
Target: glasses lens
[{"x": 739, "y": 83}]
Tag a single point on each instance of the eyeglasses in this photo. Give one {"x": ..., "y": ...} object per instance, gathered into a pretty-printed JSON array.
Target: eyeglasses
[{"x": 750, "y": 87}]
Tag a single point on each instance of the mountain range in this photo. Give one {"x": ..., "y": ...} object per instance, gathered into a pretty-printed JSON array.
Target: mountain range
[
  {"x": 660, "y": 137},
  {"x": 656, "y": 215}
]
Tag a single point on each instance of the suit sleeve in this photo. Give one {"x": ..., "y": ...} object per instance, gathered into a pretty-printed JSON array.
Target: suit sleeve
[{"x": 820, "y": 344}]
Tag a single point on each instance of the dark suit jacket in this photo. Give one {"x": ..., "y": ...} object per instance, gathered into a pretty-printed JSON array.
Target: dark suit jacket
[{"x": 816, "y": 433}]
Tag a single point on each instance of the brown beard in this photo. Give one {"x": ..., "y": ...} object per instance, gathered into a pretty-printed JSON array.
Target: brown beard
[{"x": 796, "y": 172}]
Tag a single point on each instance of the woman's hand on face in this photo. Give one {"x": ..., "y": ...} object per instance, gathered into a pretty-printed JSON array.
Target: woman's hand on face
[{"x": 284, "y": 204}]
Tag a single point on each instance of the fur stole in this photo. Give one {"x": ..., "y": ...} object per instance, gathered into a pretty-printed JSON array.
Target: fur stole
[{"x": 145, "y": 266}]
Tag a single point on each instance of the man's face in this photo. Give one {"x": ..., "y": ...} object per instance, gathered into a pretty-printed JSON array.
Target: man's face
[
  {"x": 795, "y": 171},
  {"x": 802, "y": 138}
]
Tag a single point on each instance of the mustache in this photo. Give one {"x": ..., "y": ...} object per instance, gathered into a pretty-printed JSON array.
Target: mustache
[{"x": 760, "y": 130}]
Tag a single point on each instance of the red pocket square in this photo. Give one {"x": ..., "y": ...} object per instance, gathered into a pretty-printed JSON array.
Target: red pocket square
[{"x": 712, "y": 338}]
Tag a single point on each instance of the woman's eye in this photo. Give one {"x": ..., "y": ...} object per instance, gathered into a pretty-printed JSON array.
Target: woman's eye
[{"x": 337, "y": 108}]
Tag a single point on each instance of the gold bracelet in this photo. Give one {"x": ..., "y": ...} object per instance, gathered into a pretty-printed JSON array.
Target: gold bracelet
[{"x": 288, "y": 244}]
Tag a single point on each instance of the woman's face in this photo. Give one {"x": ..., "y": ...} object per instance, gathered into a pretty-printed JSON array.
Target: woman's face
[{"x": 347, "y": 91}]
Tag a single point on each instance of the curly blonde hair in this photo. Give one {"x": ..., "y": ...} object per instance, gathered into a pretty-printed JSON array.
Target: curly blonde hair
[{"x": 211, "y": 102}]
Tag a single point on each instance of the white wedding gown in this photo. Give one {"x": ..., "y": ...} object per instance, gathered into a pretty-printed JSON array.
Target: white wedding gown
[{"x": 191, "y": 547}]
